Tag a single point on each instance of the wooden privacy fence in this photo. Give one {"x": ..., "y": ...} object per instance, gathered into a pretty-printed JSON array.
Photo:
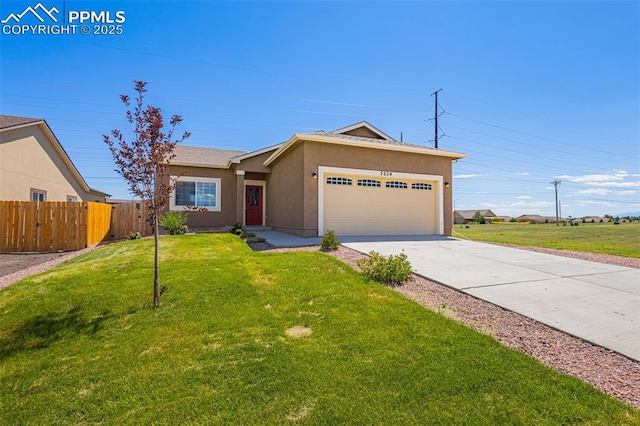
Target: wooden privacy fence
[
  {"x": 30, "y": 226},
  {"x": 130, "y": 217}
]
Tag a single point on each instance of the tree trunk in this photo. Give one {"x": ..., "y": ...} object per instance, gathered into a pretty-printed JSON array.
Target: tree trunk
[{"x": 156, "y": 265}]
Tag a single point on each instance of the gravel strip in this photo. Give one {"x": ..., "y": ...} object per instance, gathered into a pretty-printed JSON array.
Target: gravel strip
[
  {"x": 608, "y": 371},
  {"x": 26, "y": 265}
]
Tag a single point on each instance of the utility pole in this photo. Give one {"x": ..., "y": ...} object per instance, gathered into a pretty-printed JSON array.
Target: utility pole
[
  {"x": 435, "y": 118},
  {"x": 556, "y": 183}
]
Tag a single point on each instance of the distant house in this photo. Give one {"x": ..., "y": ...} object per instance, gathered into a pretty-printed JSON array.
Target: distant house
[
  {"x": 535, "y": 218},
  {"x": 35, "y": 167},
  {"x": 502, "y": 218},
  {"x": 466, "y": 216},
  {"x": 355, "y": 180},
  {"x": 592, "y": 219}
]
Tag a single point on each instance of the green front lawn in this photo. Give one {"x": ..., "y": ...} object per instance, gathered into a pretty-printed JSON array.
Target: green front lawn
[
  {"x": 81, "y": 344},
  {"x": 620, "y": 240}
]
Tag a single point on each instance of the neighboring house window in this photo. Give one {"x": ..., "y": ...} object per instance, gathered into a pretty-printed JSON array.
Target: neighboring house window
[
  {"x": 72, "y": 199},
  {"x": 38, "y": 195},
  {"x": 196, "y": 192},
  {"x": 339, "y": 181},
  {"x": 396, "y": 184},
  {"x": 369, "y": 182},
  {"x": 422, "y": 186}
]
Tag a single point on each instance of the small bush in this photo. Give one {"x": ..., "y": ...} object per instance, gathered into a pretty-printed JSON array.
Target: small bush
[
  {"x": 329, "y": 241},
  {"x": 236, "y": 229},
  {"x": 392, "y": 270},
  {"x": 247, "y": 237},
  {"x": 134, "y": 235},
  {"x": 174, "y": 223},
  {"x": 479, "y": 218}
]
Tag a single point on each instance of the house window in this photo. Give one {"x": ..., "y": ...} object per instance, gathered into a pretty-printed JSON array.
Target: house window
[
  {"x": 38, "y": 195},
  {"x": 369, "y": 182},
  {"x": 196, "y": 192},
  {"x": 339, "y": 181},
  {"x": 396, "y": 184},
  {"x": 72, "y": 199},
  {"x": 421, "y": 186}
]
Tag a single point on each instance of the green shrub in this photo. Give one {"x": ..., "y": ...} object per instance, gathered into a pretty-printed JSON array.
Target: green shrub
[
  {"x": 174, "y": 223},
  {"x": 329, "y": 241},
  {"x": 247, "y": 237},
  {"x": 236, "y": 229},
  {"x": 393, "y": 270},
  {"x": 479, "y": 218},
  {"x": 134, "y": 235}
]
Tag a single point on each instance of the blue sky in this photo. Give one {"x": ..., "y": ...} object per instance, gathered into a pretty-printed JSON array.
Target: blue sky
[{"x": 532, "y": 91}]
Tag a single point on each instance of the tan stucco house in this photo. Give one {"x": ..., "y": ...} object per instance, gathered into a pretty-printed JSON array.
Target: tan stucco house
[
  {"x": 355, "y": 180},
  {"x": 35, "y": 167},
  {"x": 466, "y": 216},
  {"x": 537, "y": 219}
]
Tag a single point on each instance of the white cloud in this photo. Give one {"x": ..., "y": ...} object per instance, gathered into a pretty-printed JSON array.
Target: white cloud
[
  {"x": 592, "y": 191},
  {"x": 465, "y": 176},
  {"x": 626, "y": 192},
  {"x": 587, "y": 179},
  {"x": 617, "y": 179},
  {"x": 518, "y": 204},
  {"x": 523, "y": 174},
  {"x": 595, "y": 203},
  {"x": 524, "y": 197},
  {"x": 616, "y": 184}
]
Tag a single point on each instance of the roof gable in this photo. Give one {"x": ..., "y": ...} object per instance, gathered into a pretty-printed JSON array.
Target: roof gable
[
  {"x": 344, "y": 136},
  {"x": 362, "y": 129}
]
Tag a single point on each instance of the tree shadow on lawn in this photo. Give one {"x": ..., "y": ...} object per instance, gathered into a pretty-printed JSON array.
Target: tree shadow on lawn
[{"x": 42, "y": 331}]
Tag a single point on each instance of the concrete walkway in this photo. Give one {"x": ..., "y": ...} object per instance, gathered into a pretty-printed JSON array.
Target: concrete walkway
[{"x": 596, "y": 302}]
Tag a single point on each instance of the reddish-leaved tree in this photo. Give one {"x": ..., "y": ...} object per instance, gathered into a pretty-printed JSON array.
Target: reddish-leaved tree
[{"x": 142, "y": 161}]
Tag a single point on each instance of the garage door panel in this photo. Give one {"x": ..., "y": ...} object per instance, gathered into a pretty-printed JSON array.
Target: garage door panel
[{"x": 361, "y": 210}]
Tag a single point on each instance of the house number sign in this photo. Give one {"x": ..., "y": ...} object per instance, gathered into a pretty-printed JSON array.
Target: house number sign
[{"x": 385, "y": 173}]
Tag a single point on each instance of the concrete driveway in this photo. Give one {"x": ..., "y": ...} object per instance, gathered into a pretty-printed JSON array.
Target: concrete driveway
[{"x": 596, "y": 302}]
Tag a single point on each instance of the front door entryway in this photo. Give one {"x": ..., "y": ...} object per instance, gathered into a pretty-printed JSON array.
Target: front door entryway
[{"x": 253, "y": 205}]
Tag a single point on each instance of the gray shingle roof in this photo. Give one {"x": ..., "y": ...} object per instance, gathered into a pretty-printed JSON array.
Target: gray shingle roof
[
  {"x": 12, "y": 120},
  {"x": 204, "y": 156},
  {"x": 468, "y": 214}
]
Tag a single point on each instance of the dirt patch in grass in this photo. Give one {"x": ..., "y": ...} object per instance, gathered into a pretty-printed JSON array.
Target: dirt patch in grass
[{"x": 298, "y": 331}]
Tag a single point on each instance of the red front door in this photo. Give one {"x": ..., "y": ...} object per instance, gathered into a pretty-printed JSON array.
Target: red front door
[{"x": 253, "y": 203}]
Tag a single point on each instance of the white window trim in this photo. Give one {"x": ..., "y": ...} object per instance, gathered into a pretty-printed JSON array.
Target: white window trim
[
  {"x": 263, "y": 184},
  {"x": 39, "y": 192},
  {"x": 437, "y": 179},
  {"x": 217, "y": 181}
]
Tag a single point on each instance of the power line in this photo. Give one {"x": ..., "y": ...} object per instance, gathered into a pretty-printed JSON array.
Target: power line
[{"x": 535, "y": 136}]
